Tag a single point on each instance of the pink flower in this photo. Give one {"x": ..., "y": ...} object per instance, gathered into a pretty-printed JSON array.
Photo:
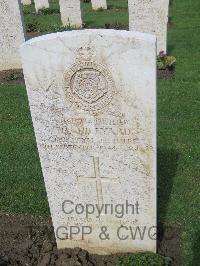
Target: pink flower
[{"x": 162, "y": 54}]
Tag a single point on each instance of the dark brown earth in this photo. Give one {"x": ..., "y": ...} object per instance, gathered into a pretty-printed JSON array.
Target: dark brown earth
[
  {"x": 170, "y": 243},
  {"x": 29, "y": 241},
  {"x": 116, "y": 26},
  {"x": 166, "y": 73},
  {"x": 30, "y": 35},
  {"x": 13, "y": 76}
]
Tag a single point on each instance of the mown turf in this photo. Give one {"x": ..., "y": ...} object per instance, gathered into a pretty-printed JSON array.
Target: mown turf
[
  {"x": 115, "y": 15},
  {"x": 21, "y": 187},
  {"x": 178, "y": 130}
]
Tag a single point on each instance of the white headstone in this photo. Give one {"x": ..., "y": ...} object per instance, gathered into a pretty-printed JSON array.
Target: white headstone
[
  {"x": 40, "y": 4},
  {"x": 11, "y": 34},
  {"x": 99, "y": 4},
  {"x": 26, "y": 2},
  {"x": 92, "y": 96},
  {"x": 150, "y": 16},
  {"x": 70, "y": 13}
]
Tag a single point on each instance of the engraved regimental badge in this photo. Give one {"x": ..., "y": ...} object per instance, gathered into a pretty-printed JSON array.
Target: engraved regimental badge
[{"x": 89, "y": 85}]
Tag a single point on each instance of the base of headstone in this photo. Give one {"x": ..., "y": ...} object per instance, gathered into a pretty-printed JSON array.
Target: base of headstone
[
  {"x": 27, "y": 2},
  {"x": 41, "y": 4},
  {"x": 99, "y": 4}
]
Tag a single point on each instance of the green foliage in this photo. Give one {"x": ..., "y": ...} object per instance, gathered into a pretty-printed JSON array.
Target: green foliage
[
  {"x": 145, "y": 259},
  {"x": 27, "y": 10},
  {"x": 170, "y": 60},
  {"x": 48, "y": 11},
  {"x": 33, "y": 26},
  {"x": 12, "y": 76},
  {"x": 117, "y": 13},
  {"x": 55, "y": 28},
  {"x": 100, "y": 9},
  {"x": 164, "y": 61}
]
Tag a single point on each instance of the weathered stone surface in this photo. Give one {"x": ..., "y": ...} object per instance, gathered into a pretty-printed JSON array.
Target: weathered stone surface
[
  {"x": 99, "y": 4},
  {"x": 26, "y": 2},
  {"x": 92, "y": 96},
  {"x": 70, "y": 13},
  {"x": 150, "y": 16},
  {"x": 11, "y": 34},
  {"x": 40, "y": 4}
]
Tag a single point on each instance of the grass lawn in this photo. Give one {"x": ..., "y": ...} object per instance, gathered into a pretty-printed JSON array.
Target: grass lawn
[
  {"x": 22, "y": 188},
  {"x": 115, "y": 15}
]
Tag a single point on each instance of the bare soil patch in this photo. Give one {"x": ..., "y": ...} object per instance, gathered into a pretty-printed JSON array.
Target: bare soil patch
[
  {"x": 27, "y": 240},
  {"x": 12, "y": 76},
  {"x": 166, "y": 73}
]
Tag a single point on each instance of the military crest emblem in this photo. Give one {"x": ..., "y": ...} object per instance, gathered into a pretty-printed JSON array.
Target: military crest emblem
[{"x": 89, "y": 85}]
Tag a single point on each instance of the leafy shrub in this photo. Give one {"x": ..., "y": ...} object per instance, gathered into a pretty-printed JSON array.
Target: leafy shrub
[
  {"x": 117, "y": 26},
  {"x": 164, "y": 61},
  {"x": 33, "y": 26},
  {"x": 28, "y": 9},
  {"x": 55, "y": 28},
  {"x": 100, "y": 9},
  {"x": 12, "y": 76},
  {"x": 48, "y": 11},
  {"x": 145, "y": 259}
]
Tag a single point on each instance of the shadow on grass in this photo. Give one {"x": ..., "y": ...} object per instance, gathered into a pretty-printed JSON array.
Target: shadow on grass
[
  {"x": 112, "y": 6},
  {"x": 169, "y": 236},
  {"x": 88, "y": 24},
  {"x": 196, "y": 250},
  {"x": 170, "y": 49},
  {"x": 167, "y": 166},
  {"x": 169, "y": 243}
]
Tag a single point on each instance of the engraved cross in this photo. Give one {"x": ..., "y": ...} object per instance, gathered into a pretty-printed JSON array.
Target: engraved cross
[{"x": 98, "y": 179}]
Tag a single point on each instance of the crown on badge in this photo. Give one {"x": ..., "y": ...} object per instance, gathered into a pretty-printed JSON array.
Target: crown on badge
[{"x": 85, "y": 53}]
